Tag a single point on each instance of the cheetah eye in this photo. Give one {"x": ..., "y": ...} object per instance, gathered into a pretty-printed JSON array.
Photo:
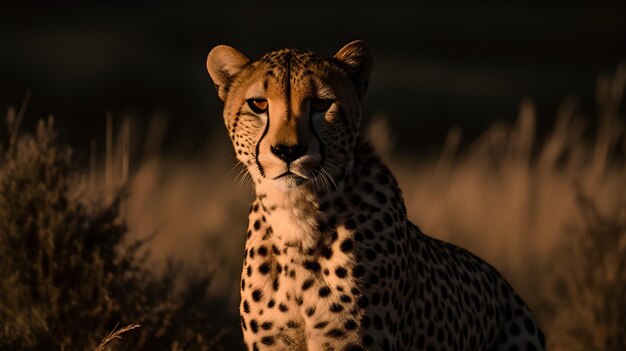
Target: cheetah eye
[
  {"x": 319, "y": 105},
  {"x": 257, "y": 105}
]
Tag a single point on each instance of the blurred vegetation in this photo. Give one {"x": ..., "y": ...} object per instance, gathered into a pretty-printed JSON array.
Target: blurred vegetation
[
  {"x": 77, "y": 272},
  {"x": 68, "y": 273},
  {"x": 590, "y": 308},
  {"x": 549, "y": 214},
  {"x": 588, "y": 294}
]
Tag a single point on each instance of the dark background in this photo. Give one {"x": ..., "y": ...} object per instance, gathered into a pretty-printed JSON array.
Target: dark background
[{"x": 437, "y": 65}]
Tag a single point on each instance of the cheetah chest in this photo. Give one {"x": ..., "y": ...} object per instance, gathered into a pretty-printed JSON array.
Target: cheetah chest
[{"x": 295, "y": 277}]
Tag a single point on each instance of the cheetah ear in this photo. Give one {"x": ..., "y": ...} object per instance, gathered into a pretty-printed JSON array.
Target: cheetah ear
[
  {"x": 223, "y": 63},
  {"x": 359, "y": 57}
]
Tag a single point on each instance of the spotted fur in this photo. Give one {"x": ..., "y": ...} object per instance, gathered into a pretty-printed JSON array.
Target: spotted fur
[{"x": 331, "y": 260}]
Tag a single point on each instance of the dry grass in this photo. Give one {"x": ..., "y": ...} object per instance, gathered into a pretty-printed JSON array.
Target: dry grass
[
  {"x": 549, "y": 214},
  {"x": 115, "y": 334}
]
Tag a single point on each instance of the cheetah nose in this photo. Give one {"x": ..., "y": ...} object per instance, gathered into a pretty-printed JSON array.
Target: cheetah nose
[{"x": 288, "y": 153}]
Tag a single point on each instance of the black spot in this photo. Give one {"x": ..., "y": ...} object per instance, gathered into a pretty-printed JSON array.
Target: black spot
[
  {"x": 307, "y": 284},
  {"x": 333, "y": 237},
  {"x": 267, "y": 340},
  {"x": 339, "y": 204},
  {"x": 382, "y": 179},
  {"x": 335, "y": 333},
  {"x": 375, "y": 299},
  {"x": 368, "y": 187},
  {"x": 530, "y": 326},
  {"x": 327, "y": 252},
  {"x": 514, "y": 329},
  {"x": 388, "y": 220},
  {"x": 345, "y": 298},
  {"x": 350, "y": 224},
  {"x": 262, "y": 251},
  {"x": 358, "y": 237},
  {"x": 310, "y": 311},
  {"x": 267, "y": 325},
  {"x": 257, "y": 295},
  {"x": 378, "y": 322},
  {"x": 283, "y": 308},
  {"x": 246, "y": 306},
  {"x": 336, "y": 308},
  {"x": 350, "y": 324},
  {"x": 271, "y": 303},
  {"x": 341, "y": 272},
  {"x": 420, "y": 341},
  {"x": 312, "y": 265},
  {"x": 292, "y": 324},
  {"x": 324, "y": 206},
  {"x": 362, "y": 302},
  {"x": 264, "y": 268},
  {"x": 346, "y": 245},
  {"x": 320, "y": 325},
  {"x": 254, "y": 326},
  {"x": 378, "y": 225},
  {"x": 257, "y": 225},
  {"x": 276, "y": 284},
  {"x": 324, "y": 291},
  {"x": 366, "y": 322},
  {"x": 358, "y": 271},
  {"x": 380, "y": 197},
  {"x": 386, "y": 346}
]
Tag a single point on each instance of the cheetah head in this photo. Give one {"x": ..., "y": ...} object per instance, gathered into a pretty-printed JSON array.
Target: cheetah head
[{"x": 293, "y": 116}]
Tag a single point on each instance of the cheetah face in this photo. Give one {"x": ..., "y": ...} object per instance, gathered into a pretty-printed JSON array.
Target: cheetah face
[{"x": 293, "y": 116}]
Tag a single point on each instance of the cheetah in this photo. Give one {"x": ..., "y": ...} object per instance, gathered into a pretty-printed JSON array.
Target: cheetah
[{"x": 331, "y": 260}]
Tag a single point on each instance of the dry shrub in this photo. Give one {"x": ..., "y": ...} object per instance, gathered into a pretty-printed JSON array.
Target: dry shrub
[{"x": 68, "y": 274}]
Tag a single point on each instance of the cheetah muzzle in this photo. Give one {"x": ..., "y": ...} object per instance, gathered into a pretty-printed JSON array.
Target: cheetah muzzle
[{"x": 331, "y": 260}]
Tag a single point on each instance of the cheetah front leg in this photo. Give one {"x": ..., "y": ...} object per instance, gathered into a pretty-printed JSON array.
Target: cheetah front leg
[
  {"x": 339, "y": 334},
  {"x": 325, "y": 343},
  {"x": 276, "y": 340}
]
